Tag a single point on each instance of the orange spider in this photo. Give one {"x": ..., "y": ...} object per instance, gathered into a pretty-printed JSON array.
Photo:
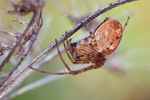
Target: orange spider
[{"x": 94, "y": 48}]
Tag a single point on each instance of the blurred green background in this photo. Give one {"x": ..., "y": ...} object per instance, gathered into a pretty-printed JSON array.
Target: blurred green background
[{"x": 106, "y": 83}]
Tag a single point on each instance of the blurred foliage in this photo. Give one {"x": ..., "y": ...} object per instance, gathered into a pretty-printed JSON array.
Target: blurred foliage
[{"x": 103, "y": 83}]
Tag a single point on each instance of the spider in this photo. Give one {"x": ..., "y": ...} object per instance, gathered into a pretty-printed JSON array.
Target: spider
[{"x": 94, "y": 48}]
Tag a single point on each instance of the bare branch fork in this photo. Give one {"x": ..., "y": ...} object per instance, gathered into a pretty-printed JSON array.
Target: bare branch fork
[
  {"x": 6, "y": 60},
  {"x": 5, "y": 83}
]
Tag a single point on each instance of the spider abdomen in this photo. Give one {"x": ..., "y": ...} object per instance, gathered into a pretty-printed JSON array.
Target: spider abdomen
[{"x": 108, "y": 36}]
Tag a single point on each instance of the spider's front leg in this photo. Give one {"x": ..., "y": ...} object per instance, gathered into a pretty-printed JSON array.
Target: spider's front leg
[
  {"x": 91, "y": 33},
  {"x": 92, "y": 36}
]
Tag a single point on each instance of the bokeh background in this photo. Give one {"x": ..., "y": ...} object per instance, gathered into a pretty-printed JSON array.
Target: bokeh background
[{"x": 125, "y": 76}]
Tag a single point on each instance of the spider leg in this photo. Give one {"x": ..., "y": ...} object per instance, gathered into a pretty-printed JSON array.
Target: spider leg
[
  {"x": 62, "y": 58},
  {"x": 93, "y": 57},
  {"x": 91, "y": 51},
  {"x": 65, "y": 73},
  {"x": 68, "y": 47},
  {"x": 72, "y": 72},
  {"x": 125, "y": 24},
  {"x": 82, "y": 70},
  {"x": 94, "y": 66},
  {"x": 91, "y": 33},
  {"x": 89, "y": 60}
]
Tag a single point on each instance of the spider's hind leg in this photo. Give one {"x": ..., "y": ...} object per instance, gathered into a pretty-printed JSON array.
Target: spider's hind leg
[{"x": 125, "y": 24}]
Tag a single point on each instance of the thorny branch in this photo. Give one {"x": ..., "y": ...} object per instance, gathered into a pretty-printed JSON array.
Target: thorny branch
[{"x": 5, "y": 83}]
